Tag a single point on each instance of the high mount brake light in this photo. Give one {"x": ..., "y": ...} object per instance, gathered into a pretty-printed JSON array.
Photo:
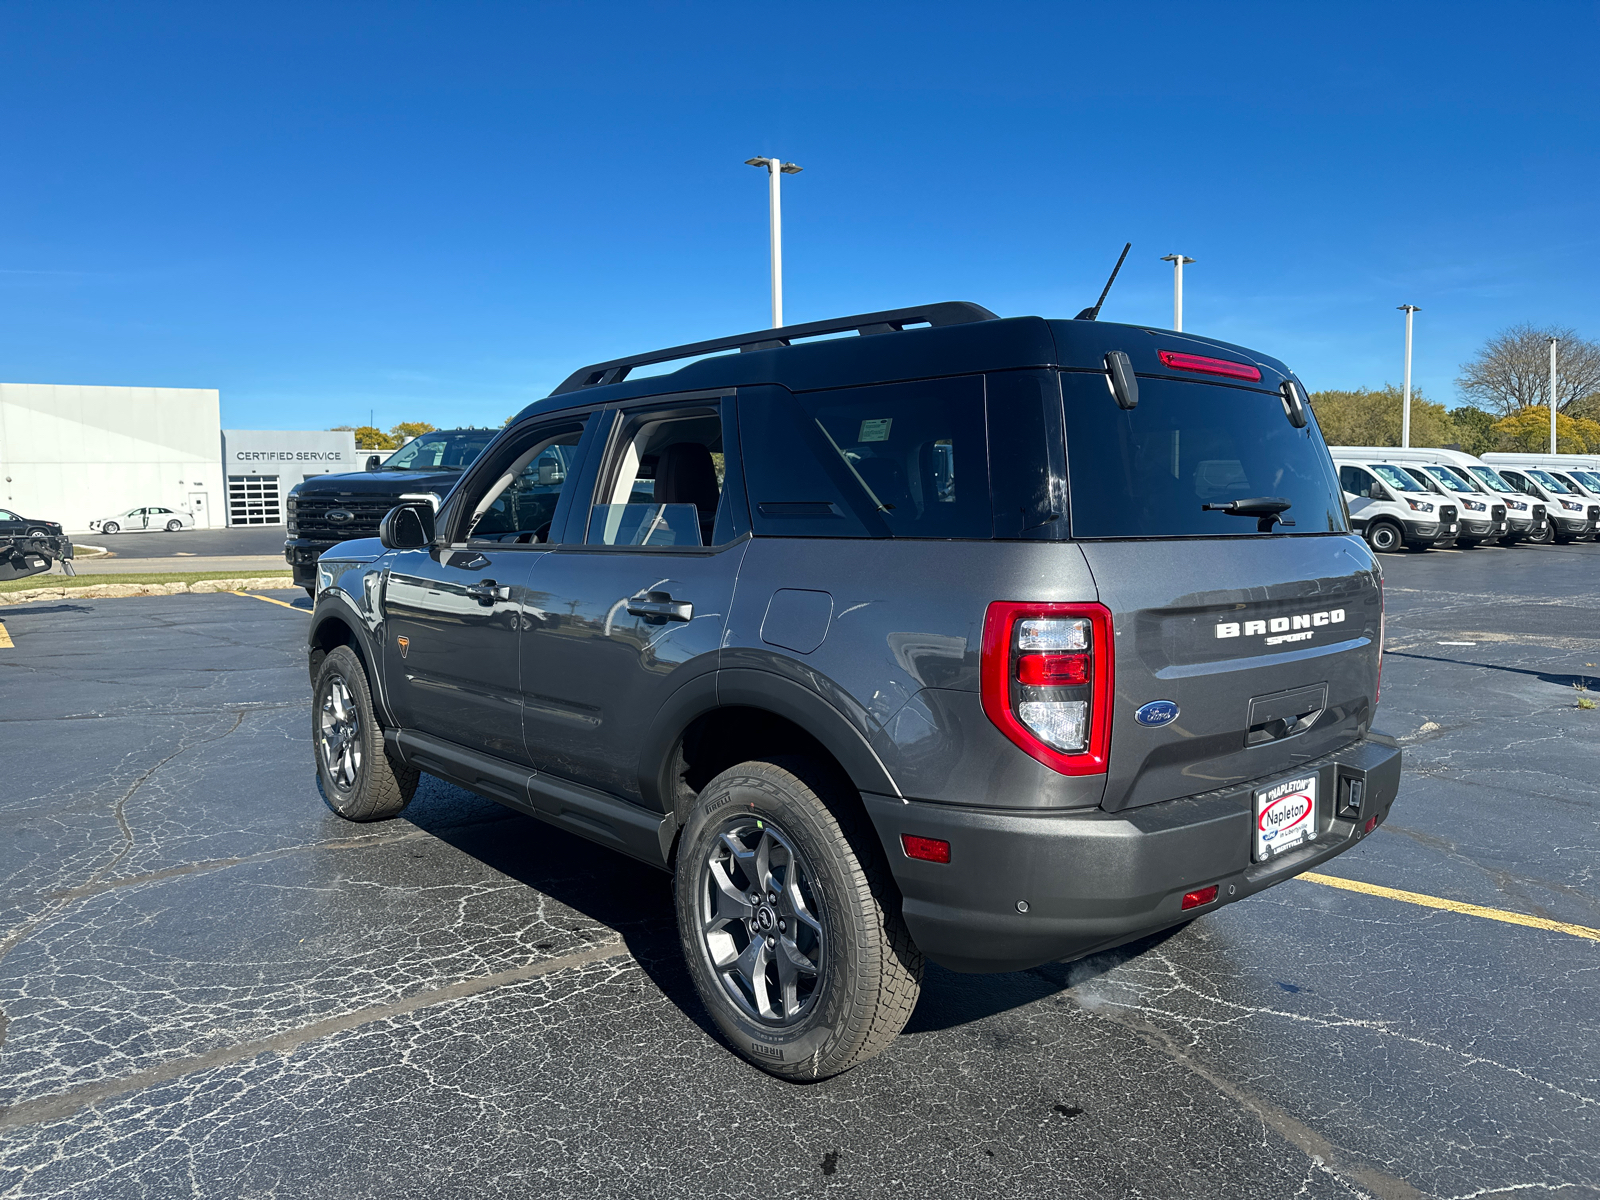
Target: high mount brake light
[
  {"x": 1056, "y": 707},
  {"x": 1180, "y": 361}
]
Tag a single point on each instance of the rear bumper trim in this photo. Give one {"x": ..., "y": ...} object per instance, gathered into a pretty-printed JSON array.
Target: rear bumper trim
[{"x": 1093, "y": 879}]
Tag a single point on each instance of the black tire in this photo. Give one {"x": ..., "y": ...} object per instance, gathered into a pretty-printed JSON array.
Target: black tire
[
  {"x": 1384, "y": 537},
  {"x": 865, "y": 973},
  {"x": 111, "y": 527},
  {"x": 359, "y": 780},
  {"x": 1544, "y": 535},
  {"x": 174, "y": 526}
]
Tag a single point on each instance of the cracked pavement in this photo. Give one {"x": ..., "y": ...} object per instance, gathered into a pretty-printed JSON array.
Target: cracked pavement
[{"x": 212, "y": 986}]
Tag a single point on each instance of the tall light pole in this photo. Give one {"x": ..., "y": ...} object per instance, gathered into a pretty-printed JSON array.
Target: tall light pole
[
  {"x": 1553, "y": 343},
  {"x": 774, "y": 169},
  {"x": 1405, "y": 411},
  {"x": 1177, "y": 261}
]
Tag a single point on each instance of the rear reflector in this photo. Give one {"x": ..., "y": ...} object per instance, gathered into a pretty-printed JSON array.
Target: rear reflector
[
  {"x": 928, "y": 849},
  {"x": 1372, "y": 823},
  {"x": 1179, "y": 361},
  {"x": 1199, "y": 896},
  {"x": 1053, "y": 670}
]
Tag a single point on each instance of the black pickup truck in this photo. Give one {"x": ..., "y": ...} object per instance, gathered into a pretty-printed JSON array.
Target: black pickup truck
[{"x": 330, "y": 509}]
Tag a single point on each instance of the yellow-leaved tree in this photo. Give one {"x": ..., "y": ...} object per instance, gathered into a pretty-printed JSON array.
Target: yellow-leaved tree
[{"x": 1528, "y": 430}]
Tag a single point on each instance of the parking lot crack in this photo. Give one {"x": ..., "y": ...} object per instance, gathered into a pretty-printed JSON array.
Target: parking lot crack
[
  {"x": 65, "y": 1104},
  {"x": 119, "y": 812}
]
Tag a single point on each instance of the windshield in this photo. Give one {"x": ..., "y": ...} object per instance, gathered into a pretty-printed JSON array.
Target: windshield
[
  {"x": 1396, "y": 478},
  {"x": 1491, "y": 479},
  {"x": 1450, "y": 479},
  {"x": 1549, "y": 481},
  {"x": 1148, "y": 472},
  {"x": 1589, "y": 479},
  {"x": 447, "y": 450}
]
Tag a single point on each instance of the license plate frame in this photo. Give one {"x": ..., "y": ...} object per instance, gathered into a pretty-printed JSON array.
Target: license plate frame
[{"x": 1284, "y": 816}]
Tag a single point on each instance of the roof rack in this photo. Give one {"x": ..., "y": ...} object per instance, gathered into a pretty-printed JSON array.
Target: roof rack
[{"x": 951, "y": 312}]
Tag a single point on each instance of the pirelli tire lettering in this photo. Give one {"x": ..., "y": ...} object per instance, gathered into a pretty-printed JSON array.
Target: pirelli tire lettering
[{"x": 1278, "y": 630}]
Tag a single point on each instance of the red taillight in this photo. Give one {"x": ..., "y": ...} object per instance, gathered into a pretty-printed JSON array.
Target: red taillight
[
  {"x": 1055, "y": 706},
  {"x": 1180, "y": 361},
  {"x": 1372, "y": 823},
  {"x": 927, "y": 849},
  {"x": 1053, "y": 670},
  {"x": 1199, "y": 896}
]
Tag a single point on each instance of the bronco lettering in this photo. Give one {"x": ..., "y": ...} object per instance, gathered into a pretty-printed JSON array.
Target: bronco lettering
[{"x": 1282, "y": 625}]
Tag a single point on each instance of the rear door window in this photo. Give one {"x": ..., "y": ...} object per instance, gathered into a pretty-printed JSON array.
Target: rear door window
[
  {"x": 1149, "y": 471},
  {"x": 898, "y": 460}
]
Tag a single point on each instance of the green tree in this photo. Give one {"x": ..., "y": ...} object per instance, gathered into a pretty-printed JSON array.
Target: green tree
[
  {"x": 1372, "y": 417},
  {"x": 368, "y": 437},
  {"x": 1475, "y": 429},
  {"x": 1528, "y": 430},
  {"x": 406, "y": 430}
]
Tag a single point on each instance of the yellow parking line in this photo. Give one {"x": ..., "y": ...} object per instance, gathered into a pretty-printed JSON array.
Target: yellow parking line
[
  {"x": 1455, "y": 906},
  {"x": 5, "y": 639},
  {"x": 270, "y": 600}
]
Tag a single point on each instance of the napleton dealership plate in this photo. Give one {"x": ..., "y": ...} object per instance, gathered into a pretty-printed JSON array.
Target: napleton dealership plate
[{"x": 1286, "y": 816}]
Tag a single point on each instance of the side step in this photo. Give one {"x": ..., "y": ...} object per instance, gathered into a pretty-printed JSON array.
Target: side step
[{"x": 585, "y": 811}]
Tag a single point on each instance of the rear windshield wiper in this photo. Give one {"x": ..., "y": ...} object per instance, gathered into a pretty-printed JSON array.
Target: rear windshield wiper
[{"x": 1265, "y": 508}]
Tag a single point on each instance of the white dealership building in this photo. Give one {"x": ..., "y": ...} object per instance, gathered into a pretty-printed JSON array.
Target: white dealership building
[{"x": 73, "y": 453}]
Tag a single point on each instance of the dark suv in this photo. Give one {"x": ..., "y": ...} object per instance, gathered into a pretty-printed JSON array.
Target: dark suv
[
  {"x": 328, "y": 509},
  {"x": 986, "y": 641}
]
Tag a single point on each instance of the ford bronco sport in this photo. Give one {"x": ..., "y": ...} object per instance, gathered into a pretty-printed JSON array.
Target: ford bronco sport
[{"x": 990, "y": 642}]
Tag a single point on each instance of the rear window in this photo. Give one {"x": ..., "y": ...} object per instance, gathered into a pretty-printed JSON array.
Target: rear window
[
  {"x": 899, "y": 460},
  {"x": 1148, "y": 472}
]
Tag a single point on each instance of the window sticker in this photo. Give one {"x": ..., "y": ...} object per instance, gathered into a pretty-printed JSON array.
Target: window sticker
[{"x": 875, "y": 431}]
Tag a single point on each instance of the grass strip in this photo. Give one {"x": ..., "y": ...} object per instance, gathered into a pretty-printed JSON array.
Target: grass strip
[{"x": 32, "y": 582}]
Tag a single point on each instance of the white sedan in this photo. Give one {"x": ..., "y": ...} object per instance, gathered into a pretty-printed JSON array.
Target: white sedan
[{"x": 144, "y": 520}]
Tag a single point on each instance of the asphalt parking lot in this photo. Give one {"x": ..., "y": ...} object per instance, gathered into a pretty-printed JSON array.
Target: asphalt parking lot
[{"x": 211, "y": 986}]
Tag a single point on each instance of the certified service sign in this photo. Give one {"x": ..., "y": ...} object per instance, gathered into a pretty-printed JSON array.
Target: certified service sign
[{"x": 1286, "y": 815}]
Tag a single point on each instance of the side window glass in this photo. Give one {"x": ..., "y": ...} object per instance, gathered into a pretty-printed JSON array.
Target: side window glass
[
  {"x": 901, "y": 460},
  {"x": 1355, "y": 481},
  {"x": 521, "y": 500},
  {"x": 666, "y": 485}
]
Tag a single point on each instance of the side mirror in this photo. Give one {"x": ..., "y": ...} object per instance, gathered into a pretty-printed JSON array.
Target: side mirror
[
  {"x": 1119, "y": 374},
  {"x": 374, "y": 462},
  {"x": 406, "y": 528},
  {"x": 1294, "y": 404}
]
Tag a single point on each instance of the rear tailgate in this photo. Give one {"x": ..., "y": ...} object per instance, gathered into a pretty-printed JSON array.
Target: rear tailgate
[{"x": 1268, "y": 646}]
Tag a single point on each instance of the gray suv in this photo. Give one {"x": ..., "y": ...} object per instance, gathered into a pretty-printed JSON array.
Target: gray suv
[{"x": 990, "y": 642}]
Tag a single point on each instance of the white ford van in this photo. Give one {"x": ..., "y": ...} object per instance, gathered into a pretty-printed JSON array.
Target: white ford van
[
  {"x": 1388, "y": 507},
  {"x": 1573, "y": 517},
  {"x": 1482, "y": 516},
  {"x": 1525, "y": 517}
]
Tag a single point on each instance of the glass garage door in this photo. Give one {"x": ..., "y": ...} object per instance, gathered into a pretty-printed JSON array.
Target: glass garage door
[{"x": 253, "y": 500}]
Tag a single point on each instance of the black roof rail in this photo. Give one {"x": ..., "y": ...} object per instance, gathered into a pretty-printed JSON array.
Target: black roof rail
[{"x": 950, "y": 312}]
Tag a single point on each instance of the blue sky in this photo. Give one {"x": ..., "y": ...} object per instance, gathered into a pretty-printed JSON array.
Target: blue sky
[{"x": 436, "y": 211}]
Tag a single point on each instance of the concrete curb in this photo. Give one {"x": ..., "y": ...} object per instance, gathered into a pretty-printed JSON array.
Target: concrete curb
[{"x": 109, "y": 591}]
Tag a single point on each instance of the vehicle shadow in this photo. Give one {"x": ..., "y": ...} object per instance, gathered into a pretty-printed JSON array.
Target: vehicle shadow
[
  {"x": 636, "y": 901},
  {"x": 1580, "y": 682}
]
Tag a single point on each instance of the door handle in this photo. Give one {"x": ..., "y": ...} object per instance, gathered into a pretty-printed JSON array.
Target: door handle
[
  {"x": 486, "y": 592},
  {"x": 661, "y": 606}
]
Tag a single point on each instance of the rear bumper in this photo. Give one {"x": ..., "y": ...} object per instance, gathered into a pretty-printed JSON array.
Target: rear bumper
[{"x": 1093, "y": 879}]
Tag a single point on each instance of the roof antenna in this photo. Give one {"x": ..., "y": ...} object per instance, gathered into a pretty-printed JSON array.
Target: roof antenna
[{"x": 1092, "y": 314}]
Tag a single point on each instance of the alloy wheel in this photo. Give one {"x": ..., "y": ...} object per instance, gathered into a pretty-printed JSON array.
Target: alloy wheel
[
  {"x": 761, "y": 923},
  {"x": 339, "y": 735}
]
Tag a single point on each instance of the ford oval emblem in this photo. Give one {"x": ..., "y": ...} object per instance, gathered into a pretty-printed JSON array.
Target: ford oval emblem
[
  {"x": 340, "y": 516},
  {"x": 1157, "y": 712}
]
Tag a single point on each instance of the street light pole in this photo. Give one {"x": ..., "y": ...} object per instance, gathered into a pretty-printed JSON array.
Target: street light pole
[
  {"x": 1405, "y": 412},
  {"x": 1177, "y": 261},
  {"x": 1553, "y": 342},
  {"x": 774, "y": 168}
]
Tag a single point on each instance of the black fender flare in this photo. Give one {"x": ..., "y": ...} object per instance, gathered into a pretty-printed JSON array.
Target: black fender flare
[
  {"x": 369, "y": 653},
  {"x": 763, "y": 690}
]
